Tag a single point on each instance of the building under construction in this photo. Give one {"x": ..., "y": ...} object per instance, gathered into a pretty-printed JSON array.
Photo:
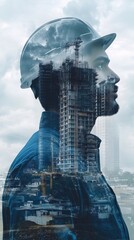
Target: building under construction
[
  {"x": 76, "y": 97},
  {"x": 72, "y": 88},
  {"x": 77, "y": 109}
]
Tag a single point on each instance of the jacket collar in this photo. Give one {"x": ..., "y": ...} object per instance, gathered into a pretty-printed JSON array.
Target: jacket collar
[{"x": 49, "y": 120}]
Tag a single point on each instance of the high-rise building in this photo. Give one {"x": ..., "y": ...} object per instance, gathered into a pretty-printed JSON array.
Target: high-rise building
[
  {"x": 107, "y": 129},
  {"x": 77, "y": 104}
]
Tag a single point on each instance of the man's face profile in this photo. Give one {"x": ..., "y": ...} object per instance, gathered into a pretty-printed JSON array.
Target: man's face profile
[
  {"x": 98, "y": 60},
  {"x": 106, "y": 81},
  {"x": 49, "y": 42}
]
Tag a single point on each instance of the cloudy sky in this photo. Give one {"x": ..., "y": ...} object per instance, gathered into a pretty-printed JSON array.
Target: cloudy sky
[{"x": 19, "y": 111}]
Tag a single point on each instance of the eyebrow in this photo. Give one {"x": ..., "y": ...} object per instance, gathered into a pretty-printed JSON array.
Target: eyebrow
[{"x": 102, "y": 59}]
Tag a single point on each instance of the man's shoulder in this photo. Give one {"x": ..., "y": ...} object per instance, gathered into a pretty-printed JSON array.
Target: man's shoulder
[{"x": 28, "y": 152}]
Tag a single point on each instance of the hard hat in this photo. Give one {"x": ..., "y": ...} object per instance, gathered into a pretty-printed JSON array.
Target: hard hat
[{"x": 49, "y": 41}]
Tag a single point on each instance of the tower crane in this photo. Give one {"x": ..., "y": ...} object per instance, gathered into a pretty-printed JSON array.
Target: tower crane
[{"x": 76, "y": 45}]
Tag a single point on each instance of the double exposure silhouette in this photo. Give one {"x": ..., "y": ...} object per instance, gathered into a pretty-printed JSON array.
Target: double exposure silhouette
[{"x": 55, "y": 188}]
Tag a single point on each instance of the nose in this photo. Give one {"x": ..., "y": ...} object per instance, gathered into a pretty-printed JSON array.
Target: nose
[{"x": 113, "y": 77}]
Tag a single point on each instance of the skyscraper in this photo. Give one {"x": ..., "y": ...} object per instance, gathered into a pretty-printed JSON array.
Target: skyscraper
[
  {"x": 77, "y": 86},
  {"x": 108, "y": 131}
]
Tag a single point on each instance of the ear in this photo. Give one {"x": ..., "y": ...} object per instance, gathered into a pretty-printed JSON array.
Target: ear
[{"x": 35, "y": 87}]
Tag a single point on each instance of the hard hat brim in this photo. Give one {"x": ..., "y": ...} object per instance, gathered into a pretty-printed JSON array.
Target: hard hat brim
[{"x": 104, "y": 41}]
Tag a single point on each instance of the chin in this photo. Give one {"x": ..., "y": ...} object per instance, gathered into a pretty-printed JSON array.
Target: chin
[{"x": 111, "y": 110}]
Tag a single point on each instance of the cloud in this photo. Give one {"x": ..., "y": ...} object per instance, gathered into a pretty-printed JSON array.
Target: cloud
[
  {"x": 85, "y": 10},
  {"x": 119, "y": 19},
  {"x": 19, "y": 112}
]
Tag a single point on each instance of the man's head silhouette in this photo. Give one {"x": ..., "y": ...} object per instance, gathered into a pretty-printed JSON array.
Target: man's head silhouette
[{"x": 54, "y": 42}]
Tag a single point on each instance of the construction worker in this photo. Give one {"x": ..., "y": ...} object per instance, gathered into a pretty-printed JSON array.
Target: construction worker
[{"x": 81, "y": 213}]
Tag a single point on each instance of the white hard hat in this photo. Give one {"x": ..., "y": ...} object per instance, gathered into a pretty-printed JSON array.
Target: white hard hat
[{"x": 50, "y": 39}]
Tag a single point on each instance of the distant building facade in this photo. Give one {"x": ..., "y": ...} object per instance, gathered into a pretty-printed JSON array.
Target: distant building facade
[{"x": 108, "y": 132}]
